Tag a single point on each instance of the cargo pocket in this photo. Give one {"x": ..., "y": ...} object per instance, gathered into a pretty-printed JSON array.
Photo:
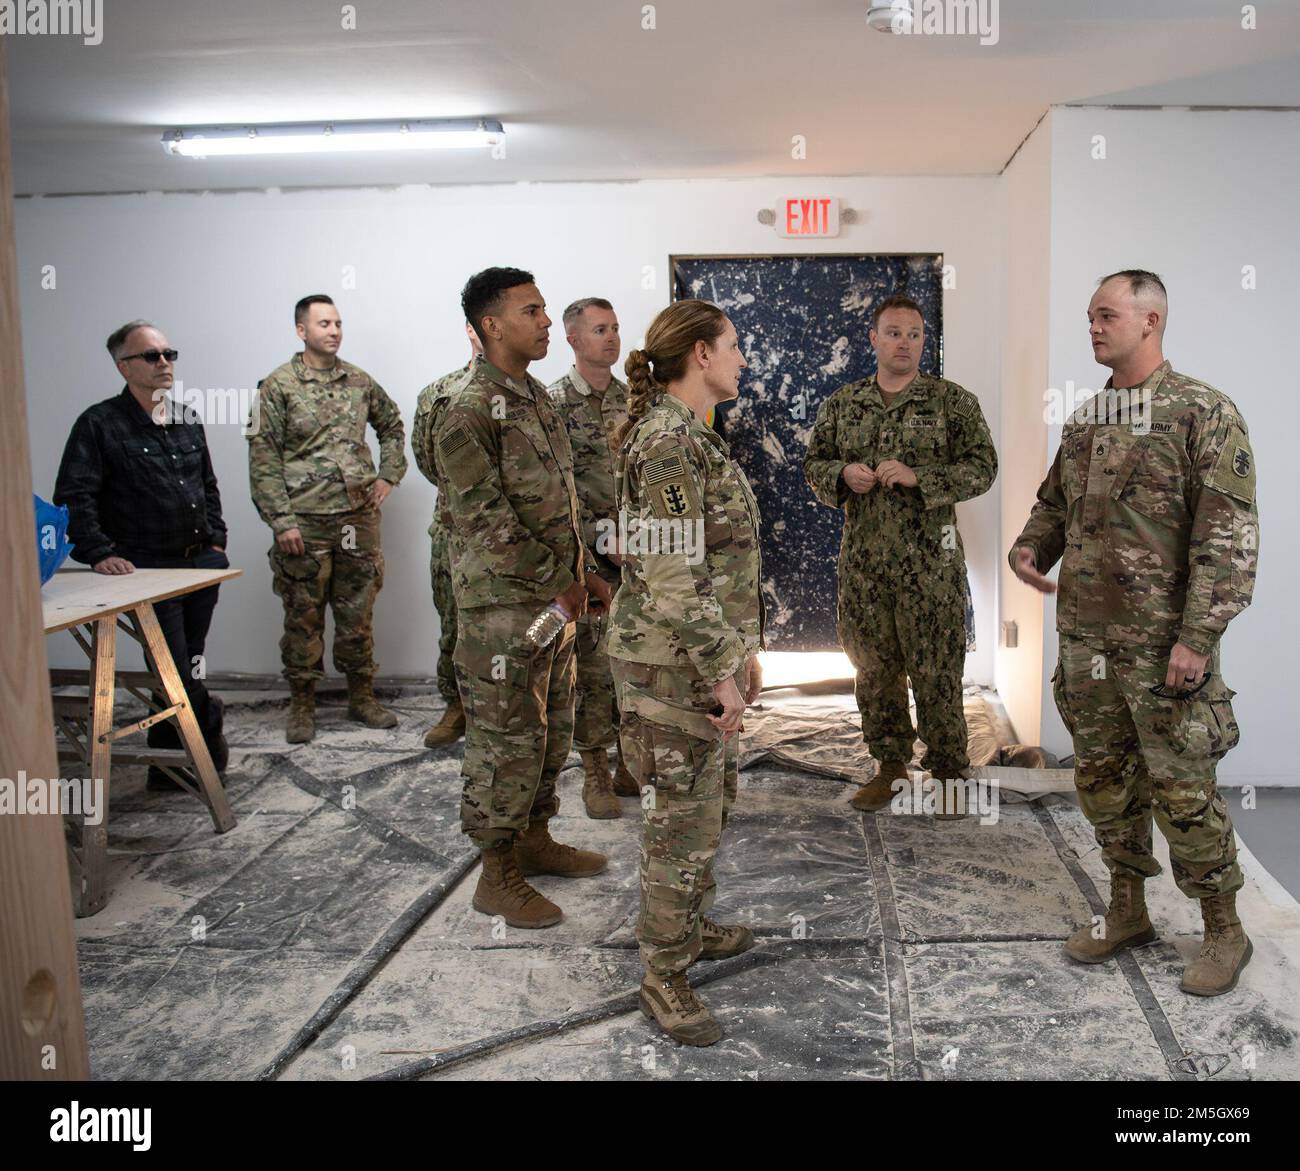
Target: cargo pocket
[
  {"x": 638, "y": 751},
  {"x": 295, "y": 578},
  {"x": 658, "y": 756},
  {"x": 294, "y": 566},
  {"x": 484, "y": 802},
  {"x": 672, "y": 756},
  {"x": 1208, "y": 726},
  {"x": 1058, "y": 694},
  {"x": 515, "y": 706}
]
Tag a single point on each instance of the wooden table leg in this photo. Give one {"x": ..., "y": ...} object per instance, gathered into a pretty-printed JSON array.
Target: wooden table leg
[
  {"x": 161, "y": 661},
  {"x": 94, "y": 838}
]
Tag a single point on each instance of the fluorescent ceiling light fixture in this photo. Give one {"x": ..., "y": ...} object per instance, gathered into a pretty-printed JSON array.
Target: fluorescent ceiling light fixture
[{"x": 332, "y": 137}]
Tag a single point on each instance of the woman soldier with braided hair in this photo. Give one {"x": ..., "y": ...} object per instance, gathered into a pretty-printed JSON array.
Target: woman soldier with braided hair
[{"x": 685, "y": 629}]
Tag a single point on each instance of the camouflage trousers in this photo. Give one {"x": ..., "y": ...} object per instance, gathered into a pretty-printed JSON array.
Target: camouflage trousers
[
  {"x": 444, "y": 602},
  {"x": 1135, "y": 754},
  {"x": 688, "y": 776},
  {"x": 342, "y": 568},
  {"x": 896, "y": 628},
  {"x": 595, "y": 721},
  {"x": 518, "y": 720}
]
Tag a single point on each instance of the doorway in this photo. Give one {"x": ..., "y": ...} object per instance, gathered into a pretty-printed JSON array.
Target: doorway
[{"x": 802, "y": 323}]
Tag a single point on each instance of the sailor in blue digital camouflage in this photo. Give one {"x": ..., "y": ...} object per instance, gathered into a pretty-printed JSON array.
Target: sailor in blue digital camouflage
[
  {"x": 593, "y": 404},
  {"x": 429, "y": 407},
  {"x": 313, "y": 481},
  {"x": 1150, "y": 506},
  {"x": 504, "y": 462},
  {"x": 686, "y": 627},
  {"x": 896, "y": 452}
]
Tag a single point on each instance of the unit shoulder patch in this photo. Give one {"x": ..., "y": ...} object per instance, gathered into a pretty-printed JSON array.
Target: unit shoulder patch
[
  {"x": 673, "y": 498},
  {"x": 668, "y": 487},
  {"x": 1234, "y": 473}
]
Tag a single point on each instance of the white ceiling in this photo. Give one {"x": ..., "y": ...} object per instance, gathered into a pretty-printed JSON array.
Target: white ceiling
[{"x": 717, "y": 89}]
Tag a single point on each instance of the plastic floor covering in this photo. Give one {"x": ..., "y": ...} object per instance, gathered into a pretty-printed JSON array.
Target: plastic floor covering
[{"x": 329, "y": 935}]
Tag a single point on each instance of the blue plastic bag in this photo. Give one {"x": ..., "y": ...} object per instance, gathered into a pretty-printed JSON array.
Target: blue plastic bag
[{"x": 52, "y": 547}]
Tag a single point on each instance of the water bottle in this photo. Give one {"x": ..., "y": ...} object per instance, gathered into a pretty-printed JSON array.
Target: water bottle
[{"x": 543, "y": 629}]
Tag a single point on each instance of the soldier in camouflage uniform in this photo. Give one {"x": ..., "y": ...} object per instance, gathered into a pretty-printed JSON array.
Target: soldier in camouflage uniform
[
  {"x": 1151, "y": 503},
  {"x": 428, "y": 413},
  {"x": 516, "y": 549},
  {"x": 593, "y": 405},
  {"x": 685, "y": 630},
  {"x": 314, "y": 482},
  {"x": 896, "y": 452}
]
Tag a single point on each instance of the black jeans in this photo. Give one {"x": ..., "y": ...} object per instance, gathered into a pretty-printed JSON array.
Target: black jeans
[{"x": 184, "y": 622}]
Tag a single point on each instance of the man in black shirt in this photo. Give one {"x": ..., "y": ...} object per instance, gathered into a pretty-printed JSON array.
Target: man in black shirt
[{"x": 140, "y": 490}]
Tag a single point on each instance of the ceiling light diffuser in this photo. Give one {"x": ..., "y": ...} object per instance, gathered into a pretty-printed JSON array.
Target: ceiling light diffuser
[{"x": 332, "y": 137}]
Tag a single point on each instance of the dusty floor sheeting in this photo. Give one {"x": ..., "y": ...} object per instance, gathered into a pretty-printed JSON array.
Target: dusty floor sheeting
[{"x": 329, "y": 935}]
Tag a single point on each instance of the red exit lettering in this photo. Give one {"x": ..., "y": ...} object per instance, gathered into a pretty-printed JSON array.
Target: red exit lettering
[{"x": 807, "y": 217}]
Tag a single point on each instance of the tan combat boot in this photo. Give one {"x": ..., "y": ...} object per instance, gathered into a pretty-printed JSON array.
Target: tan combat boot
[
  {"x": 720, "y": 941},
  {"x": 363, "y": 707},
  {"x": 1126, "y": 924},
  {"x": 625, "y": 784},
  {"x": 879, "y": 791},
  {"x": 449, "y": 729},
  {"x": 301, "y": 724},
  {"x": 597, "y": 792},
  {"x": 671, "y": 1002},
  {"x": 539, "y": 853},
  {"x": 1225, "y": 950},
  {"x": 503, "y": 891}
]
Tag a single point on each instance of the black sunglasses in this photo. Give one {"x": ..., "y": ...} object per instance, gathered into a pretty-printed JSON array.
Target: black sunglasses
[
  {"x": 153, "y": 357},
  {"x": 1163, "y": 691}
]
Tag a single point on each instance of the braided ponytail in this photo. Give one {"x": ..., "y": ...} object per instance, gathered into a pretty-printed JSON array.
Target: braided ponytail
[
  {"x": 669, "y": 341},
  {"x": 643, "y": 390}
]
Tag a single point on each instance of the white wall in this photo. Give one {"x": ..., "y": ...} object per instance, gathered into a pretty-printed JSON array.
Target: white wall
[
  {"x": 220, "y": 273},
  {"x": 1195, "y": 196},
  {"x": 1022, "y": 443}
]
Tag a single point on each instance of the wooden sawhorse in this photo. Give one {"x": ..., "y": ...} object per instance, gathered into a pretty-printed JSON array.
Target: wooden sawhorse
[{"x": 93, "y": 607}]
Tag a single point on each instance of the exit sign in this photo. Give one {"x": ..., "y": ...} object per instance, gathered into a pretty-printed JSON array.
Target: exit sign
[{"x": 802, "y": 217}]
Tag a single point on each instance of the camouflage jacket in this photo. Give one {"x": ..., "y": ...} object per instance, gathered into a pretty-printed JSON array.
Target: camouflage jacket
[
  {"x": 308, "y": 451},
  {"x": 937, "y": 429},
  {"x": 1154, "y": 514},
  {"x": 428, "y": 412},
  {"x": 693, "y": 603},
  {"x": 504, "y": 457},
  {"x": 592, "y": 419}
]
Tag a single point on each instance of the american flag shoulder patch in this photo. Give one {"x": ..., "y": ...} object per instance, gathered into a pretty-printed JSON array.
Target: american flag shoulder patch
[
  {"x": 453, "y": 441},
  {"x": 966, "y": 405},
  {"x": 665, "y": 468}
]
